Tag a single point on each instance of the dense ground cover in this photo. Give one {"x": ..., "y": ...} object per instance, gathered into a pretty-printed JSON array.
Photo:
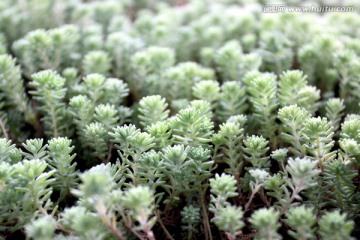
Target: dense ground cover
[{"x": 178, "y": 120}]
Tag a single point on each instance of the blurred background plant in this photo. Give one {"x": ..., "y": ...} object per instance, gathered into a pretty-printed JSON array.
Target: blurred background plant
[{"x": 178, "y": 119}]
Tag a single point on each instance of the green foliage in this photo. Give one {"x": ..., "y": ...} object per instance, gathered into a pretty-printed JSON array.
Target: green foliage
[
  {"x": 161, "y": 131},
  {"x": 293, "y": 119},
  {"x": 302, "y": 220},
  {"x": 74, "y": 219},
  {"x": 182, "y": 77},
  {"x": 3, "y": 46},
  {"x": 12, "y": 87},
  {"x": 96, "y": 182},
  {"x": 339, "y": 186},
  {"x": 106, "y": 114},
  {"x": 349, "y": 151},
  {"x": 120, "y": 47},
  {"x": 258, "y": 178},
  {"x": 49, "y": 91},
  {"x": 139, "y": 202},
  {"x": 53, "y": 49},
  {"x": 255, "y": 147},
  {"x": 318, "y": 142},
  {"x": 350, "y": 128},
  {"x": 232, "y": 101},
  {"x": 149, "y": 69},
  {"x": 207, "y": 90},
  {"x": 104, "y": 90},
  {"x": 42, "y": 228},
  {"x": 334, "y": 112},
  {"x": 82, "y": 109},
  {"x": 262, "y": 91},
  {"x": 232, "y": 64},
  {"x": 294, "y": 89},
  {"x": 96, "y": 62},
  {"x": 280, "y": 155},
  {"x": 192, "y": 128},
  {"x": 265, "y": 221},
  {"x": 36, "y": 149},
  {"x": 115, "y": 90},
  {"x": 302, "y": 173},
  {"x": 190, "y": 218},
  {"x": 96, "y": 138},
  {"x": 150, "y": 171},
  {"x": 346, "y": 63},
  {"x": 223, "y": 187},
  {"x": 334, "y": 225},
  {"x": 228, "y": 143},
  {"x": 134, "y": 119},
  {"x": 275, "y": 50},
  {"x": 131, "y": 142},
  {"x": 61, "y": 160},
  {"x": 26, "y": 194},
  {"x": 152, "y": 109},
  {"x": 186, "y": 168},
  {"x": 93, "y": 86},
  {"x": 229, "y": 220},
  {"x": 316, "y": 58},
  {"x": 299, "y": 175}
]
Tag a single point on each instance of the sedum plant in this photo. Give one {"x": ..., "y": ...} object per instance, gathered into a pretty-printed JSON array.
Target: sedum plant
[
  {"x": 294, "y": 89},
  {"x": 207, "y": 90},
  {"x": 149, "y": 70},
  {"x": 334, "y": 112},
  {"x": 232, "y": 101},
  {"x": 232, "y": 64},
  {"x": 190, "y": 218},
  {"x": 227, "y": 218},
  {"x": 275, "y": 50},
  {"x": 254, "y": 149},
  {"x": 60, "y": 158},
  {"x": 320, "y": 132},
  {"x": 49, "y": 90},
  {"x": 171, "y": 119},
  {"x": 293, "y": 118},
  {"x": 13, "y": 90},
  {"x": 340, "y": 226},
  {"x": 265, "y": 221},
  {"x": 152, "y": 109},
  {"x": 228, "y": 143},
  {"x": 96, "y": 62},
  {"x": 192, "y": 127},
  {"x": 263, "y": 91},
  {"x": 302, "y": 220}
]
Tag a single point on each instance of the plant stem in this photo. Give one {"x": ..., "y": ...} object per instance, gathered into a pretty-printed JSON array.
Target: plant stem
[
  {"x": 293, "y": 195},
  {"x": 102, "y": 211},
  {"x": 53, "y": 121},
  {"x": 249, "y": 201},
  {"x": 263, "y": 197},
  {"x": 253, "y": 192},
  {"x": 168, "y": 235},
  {"x": 129, "y": 226},
  {"x": 2, "y": 127},
  {"x": 230, "y": 236},
  {"x": 206, "y": 223},
  {"x": 109, "y": 153}
]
